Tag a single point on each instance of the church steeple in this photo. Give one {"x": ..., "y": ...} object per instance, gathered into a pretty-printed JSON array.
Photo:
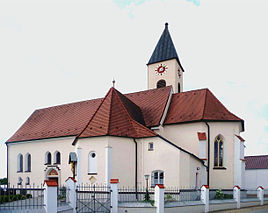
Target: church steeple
[
  {"x": 164, "y": 67},
  {"x": 164, "y": 49}
]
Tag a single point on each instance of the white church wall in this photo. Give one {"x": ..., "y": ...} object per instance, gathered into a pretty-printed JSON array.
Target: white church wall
[
  {"x": 179, "y": 167},
  {"x": 223, "y": 177},
  {"x": 37, "y": 149},
  {"x": 123, "y": 160},
  {"x": 96, "y": 145},
  {"x": 164, "y": 157},
  {"x": 239, "y": 170},
  {"x": 184, "y": 135}
]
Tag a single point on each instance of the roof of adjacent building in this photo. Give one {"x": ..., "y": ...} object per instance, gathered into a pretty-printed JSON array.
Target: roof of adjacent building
[
  {"x": 197, "y": 105},
  {"x": 129, "y": 115},
  {"x": 165, "y": 49},
  {"x": 257, "y": 162}
]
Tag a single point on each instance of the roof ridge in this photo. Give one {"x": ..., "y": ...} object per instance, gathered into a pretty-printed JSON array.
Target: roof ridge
[
  {"x": 205, "y": 103},
  {"x": 147, "y": 90},
  {"x": 124, "y": 108},
  {"x": 256, "y": 156},
  {"x": 110, "y": 110},
  {"x": 92, "y": 116}
]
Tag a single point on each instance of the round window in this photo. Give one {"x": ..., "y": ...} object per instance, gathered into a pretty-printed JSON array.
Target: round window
[{"x": 93, "y": 155}]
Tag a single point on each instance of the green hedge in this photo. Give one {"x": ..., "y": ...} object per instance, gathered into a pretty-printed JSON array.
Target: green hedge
[{"x": 9, "y": 198}]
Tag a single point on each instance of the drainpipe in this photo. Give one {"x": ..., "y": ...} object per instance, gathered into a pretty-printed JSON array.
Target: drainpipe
[
  {"x": 208, "y": 153},
  {"x": 7, "y": 166},
  {"x": 136, "y": 167}
]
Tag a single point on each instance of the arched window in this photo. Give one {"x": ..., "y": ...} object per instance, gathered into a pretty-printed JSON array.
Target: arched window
[
  {"x": 27, "y": 181},
  {"x": 48, "y": 158},
  {"x": 57, "y": 157},
  {"x": 92, "y": 163},
  {"x": 218, "y": 151},
  {"x": 161, "y": 83},
  {"x": 28, "y": 162},
  {"x": 20, "y": 181},
  {"x": 179, "y": 87},
  {"x": 20, "y": 163},
  {"x": 157, "y": 177}
]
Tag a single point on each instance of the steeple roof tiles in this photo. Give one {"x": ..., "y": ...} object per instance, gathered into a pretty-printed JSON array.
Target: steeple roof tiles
[{"x": 164, "y": 49}]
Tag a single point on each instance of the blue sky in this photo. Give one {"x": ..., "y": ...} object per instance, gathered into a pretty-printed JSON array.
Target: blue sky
[{"x": 61, "y": 51}]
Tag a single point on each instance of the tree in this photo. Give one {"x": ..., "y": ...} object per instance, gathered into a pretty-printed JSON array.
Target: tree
[{"x": 3, "y": 181}]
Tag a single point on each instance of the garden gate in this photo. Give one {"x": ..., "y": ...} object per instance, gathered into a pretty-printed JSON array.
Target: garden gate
[{"x": 93, "y": 199}]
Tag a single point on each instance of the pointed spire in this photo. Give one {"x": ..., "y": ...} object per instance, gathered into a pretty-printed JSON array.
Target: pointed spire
[{"x": 164, "y": 49}]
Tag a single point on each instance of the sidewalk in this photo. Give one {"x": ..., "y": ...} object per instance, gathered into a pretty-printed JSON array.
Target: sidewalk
[{"x": 257, "y": 209}]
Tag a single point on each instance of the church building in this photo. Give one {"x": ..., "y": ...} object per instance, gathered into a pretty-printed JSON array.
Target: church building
[{"x": 171, "y": 136}]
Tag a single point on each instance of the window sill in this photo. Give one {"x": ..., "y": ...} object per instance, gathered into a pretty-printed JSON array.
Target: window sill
[
  {"x": 19, "y": 171},
  {"x": 27, "y": 171},
  {"x": 219, "y": 168},
  {"x": 150, "y": 149},
  {"x": 92, "y": 173},
  {"x": 56, "y": 164},
  {"x": 47, "y": 164}
]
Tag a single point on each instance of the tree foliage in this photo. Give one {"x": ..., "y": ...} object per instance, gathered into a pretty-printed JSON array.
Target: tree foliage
[{"x": 3, "y": 181}]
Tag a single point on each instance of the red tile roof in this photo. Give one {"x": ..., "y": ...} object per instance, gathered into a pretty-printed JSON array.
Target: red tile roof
[
  {"x": 257, "y": 162},
  {"x": 140, "y": 110},
  {"x": 240, "y": 138},
  {"x": 117, "y": 116},
  {"x": 71, "y": 119},
  {"x": 202, "y": 136},
  {"x": 197, "y": 105}
]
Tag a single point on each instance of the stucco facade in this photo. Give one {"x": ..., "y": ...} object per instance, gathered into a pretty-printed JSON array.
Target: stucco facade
[{"x": 179, "y": 167}]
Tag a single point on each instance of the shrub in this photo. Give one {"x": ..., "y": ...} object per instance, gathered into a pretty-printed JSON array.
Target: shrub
[
  {"x": 29, "y": 196},
  {"x": 219, "y": 194}
]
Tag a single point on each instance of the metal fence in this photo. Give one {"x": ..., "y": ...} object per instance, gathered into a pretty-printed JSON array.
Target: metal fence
[
  {"x": 266, "y": 193},
  {"x": 131, "y": 194},
  {"x": 63, "y": 192},
  {"x": 181, "y": 195},
  {"x": 248, "y": 194},
  {"x": 172, "y": 194},
  {"x": 22, "y": 197}
]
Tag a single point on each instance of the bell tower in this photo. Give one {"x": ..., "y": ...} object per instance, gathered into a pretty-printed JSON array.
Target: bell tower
[{"x": 164, "y": 67}]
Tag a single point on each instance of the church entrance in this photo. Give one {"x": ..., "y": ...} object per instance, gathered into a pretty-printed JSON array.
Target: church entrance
[{"x": 52, "y": 173}]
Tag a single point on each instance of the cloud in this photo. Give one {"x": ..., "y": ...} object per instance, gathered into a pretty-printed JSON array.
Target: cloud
[
  {"x": 126, "y": 3},
  {"x": 196, "y": 2}
]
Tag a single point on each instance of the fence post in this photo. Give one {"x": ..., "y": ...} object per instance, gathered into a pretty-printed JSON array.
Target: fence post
[
  {"x": 50, "y": 196},
  {"x": 236, "y": 195},
  {"x": 260, "y": 193},
  {"x": 159, "y": 196},
  {"x": 71, "y": 192},
  {"x": 205, "y": 197},
  {"x": 114, "y": 195}
]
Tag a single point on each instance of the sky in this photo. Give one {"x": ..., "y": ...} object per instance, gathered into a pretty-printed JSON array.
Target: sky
[{"x": 60, "y": 51}]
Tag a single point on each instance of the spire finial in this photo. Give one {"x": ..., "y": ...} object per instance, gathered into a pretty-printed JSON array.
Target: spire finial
[
  {"x": 113, "y": 82},
  {"x": 166, "y": 25}
]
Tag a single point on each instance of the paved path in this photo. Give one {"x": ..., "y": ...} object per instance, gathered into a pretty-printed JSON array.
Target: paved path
[{"x": 257, "y": 209}]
